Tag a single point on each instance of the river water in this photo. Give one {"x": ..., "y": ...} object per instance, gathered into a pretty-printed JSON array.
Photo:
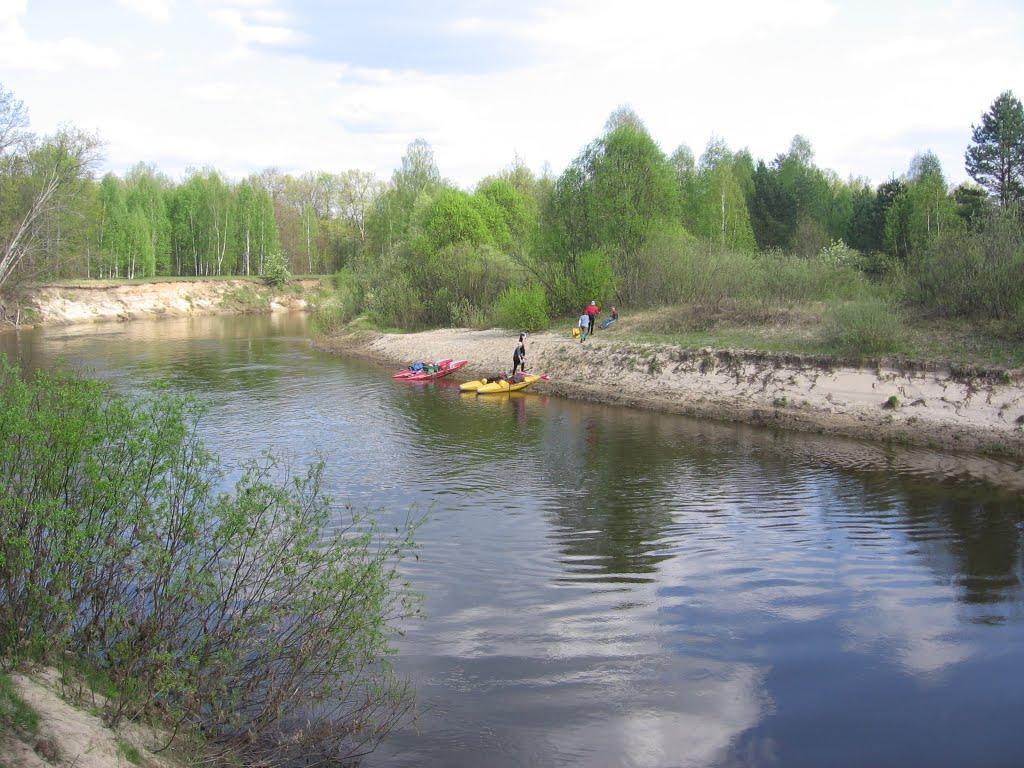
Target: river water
[{"x": 611, "y": 587}]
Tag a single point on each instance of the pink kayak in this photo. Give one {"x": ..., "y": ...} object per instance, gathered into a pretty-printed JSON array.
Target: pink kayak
[
  {"x": 448, "y": 367},
  {"x": 405, "y": 373}
]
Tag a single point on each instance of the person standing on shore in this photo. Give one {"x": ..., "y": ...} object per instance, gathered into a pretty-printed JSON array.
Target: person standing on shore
[
  {"x": 584, "y": 327},
  {"x": 592, "y": 312},
  {"x": 519, "y": 356}
]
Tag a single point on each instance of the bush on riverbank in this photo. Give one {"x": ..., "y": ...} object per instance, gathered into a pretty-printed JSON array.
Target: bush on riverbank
[
  {"x": 260, "y": 617},
  {"x": 522, "y": 308},
  {"x": 974, "y": 274},
  {"x": 861, "y": 329}
]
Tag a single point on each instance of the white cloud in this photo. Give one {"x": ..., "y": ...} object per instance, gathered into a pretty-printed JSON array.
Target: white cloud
[
  {"x": 154, "y": 10},
  {"x": 868, "y": 92},
  {"x": 21, "y": 52},
  {"x": 255, "y": 22}
]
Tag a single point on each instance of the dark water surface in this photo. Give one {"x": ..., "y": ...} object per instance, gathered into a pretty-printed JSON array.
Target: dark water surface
[{"x": 612, "y": 587}]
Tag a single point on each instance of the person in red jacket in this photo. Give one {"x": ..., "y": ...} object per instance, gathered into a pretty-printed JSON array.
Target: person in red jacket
[{"x": 592, "y": 312}]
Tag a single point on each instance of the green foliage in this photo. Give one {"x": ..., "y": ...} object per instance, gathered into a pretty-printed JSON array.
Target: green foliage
[
  {"x": 242, "y": 614},
  {"x": 972, "y": 204},
  {"x": 866, "y": 328},
  {"x": 341, "y": 305},
  {"x": 244, "y": 298},
  {"x": 391, "y": 300},
  {"x": 453, "y": 217},
  {"x": 391, "y": 218},
  {"x": 463, "y": 313},
  {"x": 256, "y": 232},
  {"x": 605, "y": 201},
  {"x": 518, "y": 210},
  {"x": 930, "y": 209},
  {"x": 995, "y": 158},
  {"x": 718, "y": 209},
  {"x": 275, "y": 270},
  {"x": 523, "y": 308},
  {"x": 595, "y": 280},
  {"x": 973, "y": 274},
  {"x": 839, "y": 254},
  {"x": 130, "y": 752},
  {"x": 659, "y": 270},
  {"x": 15, "y": 715}
]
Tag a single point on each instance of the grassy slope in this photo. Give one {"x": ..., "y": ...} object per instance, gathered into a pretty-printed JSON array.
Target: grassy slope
[{"x": 799, "y": 330}]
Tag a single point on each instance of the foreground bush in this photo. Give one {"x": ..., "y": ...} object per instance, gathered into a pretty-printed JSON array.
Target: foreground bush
[
  {"x": 866, "y": 328},
  {"x": 261, "y": 618}
]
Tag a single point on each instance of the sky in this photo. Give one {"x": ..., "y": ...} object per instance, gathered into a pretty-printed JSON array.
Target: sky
[{"x": 310, "y": 85}]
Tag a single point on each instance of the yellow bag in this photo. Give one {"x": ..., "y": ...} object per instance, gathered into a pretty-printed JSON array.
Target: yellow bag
[{"x": 575, "y": 331}]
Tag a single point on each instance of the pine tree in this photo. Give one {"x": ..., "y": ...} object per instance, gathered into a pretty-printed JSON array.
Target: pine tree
[{"x": 996, "y": 157}]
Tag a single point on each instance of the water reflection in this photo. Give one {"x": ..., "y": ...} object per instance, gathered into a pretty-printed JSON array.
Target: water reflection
[{"x": 612, "y": 587}]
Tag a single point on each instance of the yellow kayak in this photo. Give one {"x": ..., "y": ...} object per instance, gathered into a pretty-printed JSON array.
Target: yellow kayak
[{"x": 496, "y": 387}]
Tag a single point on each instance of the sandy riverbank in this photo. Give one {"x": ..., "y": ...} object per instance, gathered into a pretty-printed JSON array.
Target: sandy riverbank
[
  {"x": 70, "y": 732},
  {"x": 979, "y": 411},
  {"x": 104, "y": 301}
]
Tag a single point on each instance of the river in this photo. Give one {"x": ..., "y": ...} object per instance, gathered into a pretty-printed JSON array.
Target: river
[{"x": 612, "y": 587}]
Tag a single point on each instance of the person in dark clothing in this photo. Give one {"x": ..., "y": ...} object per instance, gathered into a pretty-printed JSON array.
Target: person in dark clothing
[{"x": 519, "y": 356}]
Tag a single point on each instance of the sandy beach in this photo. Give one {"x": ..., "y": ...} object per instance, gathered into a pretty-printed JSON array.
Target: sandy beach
[{"x": 971, "y": 410}]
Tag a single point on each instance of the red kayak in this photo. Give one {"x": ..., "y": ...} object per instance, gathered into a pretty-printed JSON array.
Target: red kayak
[
  {"x": 446, "y": 368},
  {"x": 405, "y": 373}
]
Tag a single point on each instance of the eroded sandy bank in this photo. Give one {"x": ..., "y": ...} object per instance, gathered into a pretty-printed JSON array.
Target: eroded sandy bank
[
  {"x": 100, "y": 301},
  {"x": 951, "y": 410}
]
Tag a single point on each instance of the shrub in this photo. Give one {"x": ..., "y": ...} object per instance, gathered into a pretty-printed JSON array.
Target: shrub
[
  {"x": 522, "y": 308},
  {"x": 341, "y": 305},
  {"x": 594, "y": 279},
  {"x": 244, "y": 298},
  {"x": 260, "y": 616},
  {"x": 659, "y": 270},
  {"x": 787, "y": 279},
  {"x": 275, "y": 270},
  {"x": 465, "y": 314},
  {"x": 972, "y": 274},
  {"x": 390, "y": 298},
  {"x": 866, "y": 328},
  {"x": 837, "y": 253}
]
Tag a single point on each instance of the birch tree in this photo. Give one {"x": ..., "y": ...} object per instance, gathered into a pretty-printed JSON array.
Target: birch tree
[{"x": 34, "y": 176}]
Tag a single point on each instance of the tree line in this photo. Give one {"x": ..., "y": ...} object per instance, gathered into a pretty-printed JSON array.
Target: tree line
[{"x": 419, "y": 250}]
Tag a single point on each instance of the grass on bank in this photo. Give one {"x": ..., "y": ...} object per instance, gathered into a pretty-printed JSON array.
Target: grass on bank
[
  {"x": 16, "y": 716},
  {"x": 861, "y": 330}
]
